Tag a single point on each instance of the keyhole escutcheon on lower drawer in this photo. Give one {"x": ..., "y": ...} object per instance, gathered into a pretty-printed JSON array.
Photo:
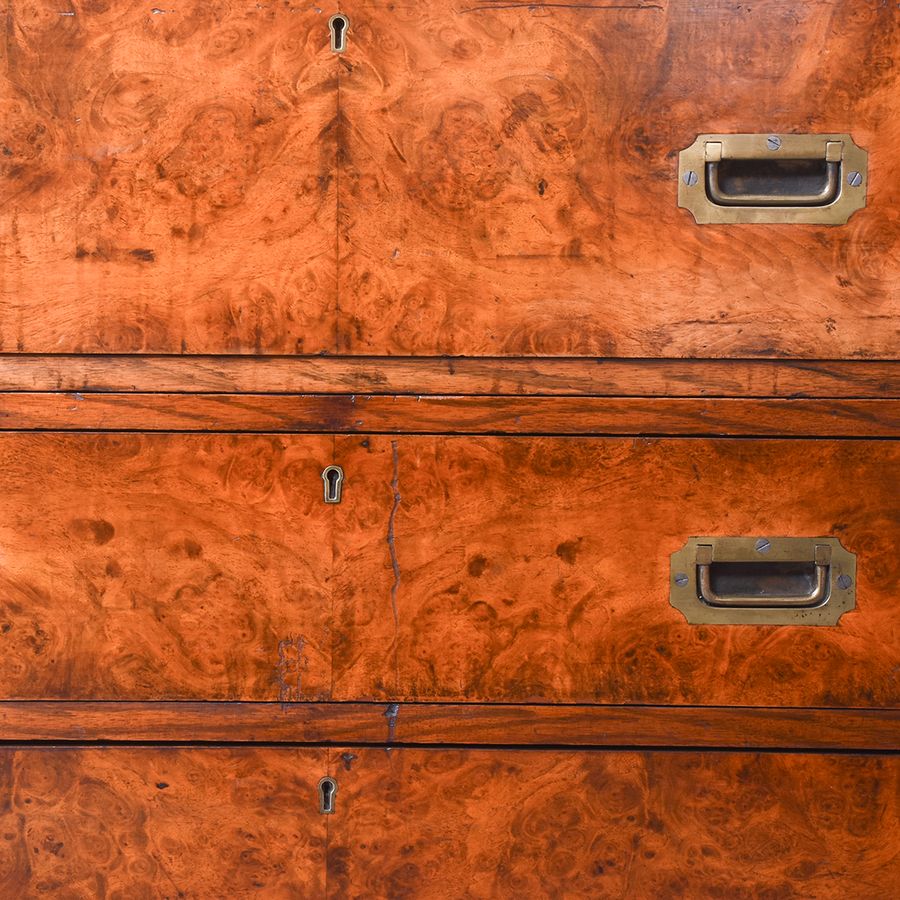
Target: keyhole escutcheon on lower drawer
[
  {"x": 338, "y": 25},
  {"x": 333, "y": 477},
  {"x": 327, "y": 792}
]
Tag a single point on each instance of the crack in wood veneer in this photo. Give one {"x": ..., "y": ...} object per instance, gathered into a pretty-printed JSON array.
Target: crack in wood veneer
[{"x": 395, "y": 563}]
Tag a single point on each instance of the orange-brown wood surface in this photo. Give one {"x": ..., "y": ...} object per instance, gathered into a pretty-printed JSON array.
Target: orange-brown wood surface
[
  {"x": 509, "y": 170},
  {"x": 143, "y": 567},
  {"x": 215, "y": 822},
  {"x": 212, "y": 223},
  {"x": 167, "y": 178},
  {"x": 456, "y": 823},
  {"x": 537, "y": 569},
  {"x": 474, "y": 178},
  {"x": 471, "y": 724},
  {"x": 164, "y": 567},
  {"x": 161, "y": 824},
  {"x": 460, "y": 415},
  {"x": 423, "y": 376}
]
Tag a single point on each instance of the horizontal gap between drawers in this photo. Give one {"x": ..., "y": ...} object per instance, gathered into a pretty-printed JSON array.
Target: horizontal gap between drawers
[
  {"x": 435, "y": 395},
  {"x": 573, "y": 705},
  {"x": 598, "y": 435}
]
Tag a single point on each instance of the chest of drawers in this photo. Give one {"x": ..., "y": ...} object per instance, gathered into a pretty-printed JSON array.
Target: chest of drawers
[{"x": 409, "y": 487}]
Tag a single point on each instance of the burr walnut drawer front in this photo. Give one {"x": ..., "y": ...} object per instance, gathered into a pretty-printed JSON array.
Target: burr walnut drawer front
[
  {"x": 150, "y": 567},
  {"x": 506, "y": 178},
  {"x": 438, "y": 823},
  {"x": 171, "y": 822},
  {"x": 512, "y": 184},
  {"x": 191, "y": 566},
  {"x": 511, "y": 569}
]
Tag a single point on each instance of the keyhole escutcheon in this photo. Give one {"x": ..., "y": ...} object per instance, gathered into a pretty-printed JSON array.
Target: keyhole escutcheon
[
  {"x": 338, "y": 25},
  {"x": 333, "y": 476},
  {"x": 327, "y": 790}
]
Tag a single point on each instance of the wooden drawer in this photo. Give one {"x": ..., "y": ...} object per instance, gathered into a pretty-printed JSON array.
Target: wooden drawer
[
  {"x": 524, "y": 166},
  {"x": 495, "y": 569},
  {"x": 132, "y": 822},
  {"x": 164, "y": 567},
  {"x": 513, "y": 569},
  {"x": 203, "y": 822},
  {"x": 492, "y": 179},
  {"x": 454, "y": 823}
]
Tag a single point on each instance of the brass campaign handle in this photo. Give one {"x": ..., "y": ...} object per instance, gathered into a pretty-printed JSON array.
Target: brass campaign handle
[
  {"x": 812, "y": 179},
  {"x": 818, "y": 595},
  {"x": 827, "y": 195},
  {"x": 753, "y": 580}
]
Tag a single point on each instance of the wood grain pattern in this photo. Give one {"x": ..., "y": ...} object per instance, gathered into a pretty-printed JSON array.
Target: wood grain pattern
[
  {"x": 459, "y": 415},
  {"x": 473, "y": 724},
  {"x": 164, "y": 567},
  {"x": 479, "y": 179},
  {"x": 154, "y": 567},
  {"x": 161, "y": 823},
  {"x": 342, "y": 375},
  {"x": 536, "y": 570},
  {"x": 457, "y": 823},
  {"x": 508, "y": 179},
  {"x": 167, "y": 178},
  {"x": 187, "y": 822}
]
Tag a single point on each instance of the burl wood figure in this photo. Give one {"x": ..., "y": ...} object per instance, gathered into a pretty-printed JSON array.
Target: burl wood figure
[{"x": 407, "y": 414}]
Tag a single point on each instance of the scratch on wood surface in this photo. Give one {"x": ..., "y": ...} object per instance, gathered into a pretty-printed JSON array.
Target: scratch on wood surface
[
  {"x": 290, "y": 668},
  {"x": 395, "y": 563},
  {"x": 564, "y": 6}
]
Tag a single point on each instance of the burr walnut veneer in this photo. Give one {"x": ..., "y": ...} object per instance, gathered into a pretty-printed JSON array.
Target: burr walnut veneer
[
  {"x": 469, "y": 177},
  {"x": 443, "y": 253}
]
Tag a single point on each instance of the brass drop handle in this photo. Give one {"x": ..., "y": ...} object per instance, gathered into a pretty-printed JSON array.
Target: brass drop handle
[
  {"x": 816, "y": 597},
  {"x": 828, "y": 193},
  {"x": 778, "y": 179},
  {"x": 753, "y": 580}
]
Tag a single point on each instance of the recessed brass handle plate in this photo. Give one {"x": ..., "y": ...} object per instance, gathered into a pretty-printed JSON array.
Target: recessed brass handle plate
[
  {"x": 813, "y": 179},
  {"x": 763, "y": 581}
]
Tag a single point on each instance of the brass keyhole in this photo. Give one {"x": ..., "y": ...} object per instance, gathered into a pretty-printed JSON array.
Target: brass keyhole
[
  {"x": 338, "y": 24},
  {"x": 333, "y": 476},
  {"x": 327, "y": 791}
]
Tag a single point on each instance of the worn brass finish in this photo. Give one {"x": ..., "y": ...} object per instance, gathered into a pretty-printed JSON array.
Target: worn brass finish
[
  {"x": 700, "y": 188},
  {"x": 826, "y": 195},
  {"x": 831, "y": 593},
  {"x": 711, "y": 597},
  {"x": 333, "y": 476}
]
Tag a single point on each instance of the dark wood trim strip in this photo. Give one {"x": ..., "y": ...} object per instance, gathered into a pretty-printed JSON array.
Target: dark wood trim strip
[
  {"x": 448, "y": 723},
  {"x": 455, "y": 415},
  {"x": 438, "y": 375}
]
